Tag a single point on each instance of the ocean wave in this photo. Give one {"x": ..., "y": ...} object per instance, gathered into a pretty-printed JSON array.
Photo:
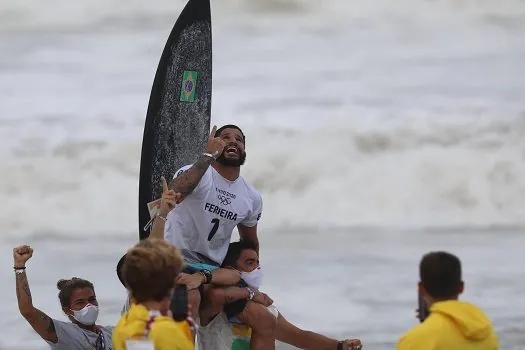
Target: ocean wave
[
  {"x": 97, "y": 14},
  {"x": 451, "y": 175}
]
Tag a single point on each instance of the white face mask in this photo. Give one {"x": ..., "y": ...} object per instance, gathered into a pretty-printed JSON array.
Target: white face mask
[
  {"x": 87, "y": 315},
  {"x": 253, "y": 278}
]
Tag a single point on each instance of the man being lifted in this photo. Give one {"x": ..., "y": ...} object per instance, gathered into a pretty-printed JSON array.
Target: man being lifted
[{"x": 214, "y": 199}]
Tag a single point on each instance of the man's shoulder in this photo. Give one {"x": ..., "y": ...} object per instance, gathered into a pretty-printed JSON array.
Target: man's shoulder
[
  {"x": 251, "y": 191},
  {"x": 424, "y": 334}
]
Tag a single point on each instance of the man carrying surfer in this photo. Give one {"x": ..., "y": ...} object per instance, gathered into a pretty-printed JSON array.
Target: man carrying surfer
[
  {"x": 214, "y": 199},
  {"x": 230, "y": 294},
  {"x": 221, "y": 332}
]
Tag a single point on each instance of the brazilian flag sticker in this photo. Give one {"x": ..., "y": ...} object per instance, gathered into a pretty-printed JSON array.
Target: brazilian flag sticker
[{"x": 189, "y": 84}]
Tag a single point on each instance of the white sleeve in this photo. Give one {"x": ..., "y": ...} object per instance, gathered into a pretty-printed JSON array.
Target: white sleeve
[
  {"x": 181, "y": 170},
  {"x": 205, "y": 179},
  {"x": 255, "y": 214}
]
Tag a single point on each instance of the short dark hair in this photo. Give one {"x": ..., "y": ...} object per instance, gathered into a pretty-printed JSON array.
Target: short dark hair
[
  {"x": 440, "y": 274},
  {"x": 66, "y": 288},
  {"x": 150, "y": 268},
  {"x": 230, "y": 126},
  {"x": 234, "y": 252}
]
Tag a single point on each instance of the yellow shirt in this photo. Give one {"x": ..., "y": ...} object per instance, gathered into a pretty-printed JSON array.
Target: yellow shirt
[
  {"x": 164, "y": 333},
  {"x": 451, "y": 325}
]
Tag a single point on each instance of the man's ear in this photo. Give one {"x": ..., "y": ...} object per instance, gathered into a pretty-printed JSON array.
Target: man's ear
[{"x": 461, "y": 287}]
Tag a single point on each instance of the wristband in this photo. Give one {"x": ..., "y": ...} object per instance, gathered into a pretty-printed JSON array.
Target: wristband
[
  {"x": 162, "y": 217},
  {"x": 208, "y": 155},
  {"x": 19, "y": 270}
]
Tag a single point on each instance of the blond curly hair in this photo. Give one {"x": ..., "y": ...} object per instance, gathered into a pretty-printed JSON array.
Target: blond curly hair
[{"x": 150, "y": 269}]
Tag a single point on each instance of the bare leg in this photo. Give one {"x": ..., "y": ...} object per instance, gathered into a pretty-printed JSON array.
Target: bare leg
[
  {"x": 263, "y": 325},
  {"x": 290, "y": 334}
]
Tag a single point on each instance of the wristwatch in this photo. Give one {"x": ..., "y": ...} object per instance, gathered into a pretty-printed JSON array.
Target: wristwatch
[
  {"x": 251, "y": 293},
  {"x": 208, "y": 276}
]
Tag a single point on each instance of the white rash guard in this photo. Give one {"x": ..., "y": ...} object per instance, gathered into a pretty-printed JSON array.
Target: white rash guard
[{"x": 201, "y": 226}]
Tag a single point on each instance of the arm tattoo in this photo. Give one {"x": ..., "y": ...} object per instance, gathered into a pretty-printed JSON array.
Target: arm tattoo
[
  {"x": 41, "y": 323},
  {"x": 23, "y": 293},
  {"x": 186, "y": 182},
  {"x": 51, "y": 325},
  {"x": 27, "y": 290},
  {"x": 44, "y": 324}
]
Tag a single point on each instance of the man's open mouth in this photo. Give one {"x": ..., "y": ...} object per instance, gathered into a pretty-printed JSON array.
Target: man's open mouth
[{"x": 232, "y": 151}]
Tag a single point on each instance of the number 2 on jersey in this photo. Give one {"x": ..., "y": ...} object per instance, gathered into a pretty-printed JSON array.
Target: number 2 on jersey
[{"x": 214, "y": 229}]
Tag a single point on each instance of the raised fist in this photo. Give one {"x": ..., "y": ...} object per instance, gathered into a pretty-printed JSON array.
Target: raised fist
[{"x": 21, "y": 254}]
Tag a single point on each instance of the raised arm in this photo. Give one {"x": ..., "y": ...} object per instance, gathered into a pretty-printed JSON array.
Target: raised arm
[
  {"x": 41, "y": 323},
  {"x": 186, "y": 182},
  {"x": 167, "y": 202}
]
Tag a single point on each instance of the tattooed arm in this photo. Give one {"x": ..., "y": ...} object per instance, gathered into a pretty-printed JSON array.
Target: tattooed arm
[
  {"x": 186, "y": 182},
  {"x": 41, "y": 323}
]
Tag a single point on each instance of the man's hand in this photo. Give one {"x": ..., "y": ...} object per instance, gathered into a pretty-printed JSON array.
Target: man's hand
[
  {"x": 262, "y": 298},
  {"x": 168, "y": 200},
  {"x": 21, "y": 255},
  {"x": 352, "y": 344},
  {"x": 215, "y": 144},
  {"x": 191, "y": 281}
]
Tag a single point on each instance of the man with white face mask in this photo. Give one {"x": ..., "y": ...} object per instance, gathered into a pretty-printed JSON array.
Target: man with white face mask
[
  {"x": 221, "y": 330},
  {"x": 79, "y": 303}
]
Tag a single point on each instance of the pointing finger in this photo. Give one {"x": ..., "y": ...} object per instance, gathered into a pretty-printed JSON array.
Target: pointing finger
[
  {"x": 213, "y": 131},
  {"x": 164, "y": 184}
]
